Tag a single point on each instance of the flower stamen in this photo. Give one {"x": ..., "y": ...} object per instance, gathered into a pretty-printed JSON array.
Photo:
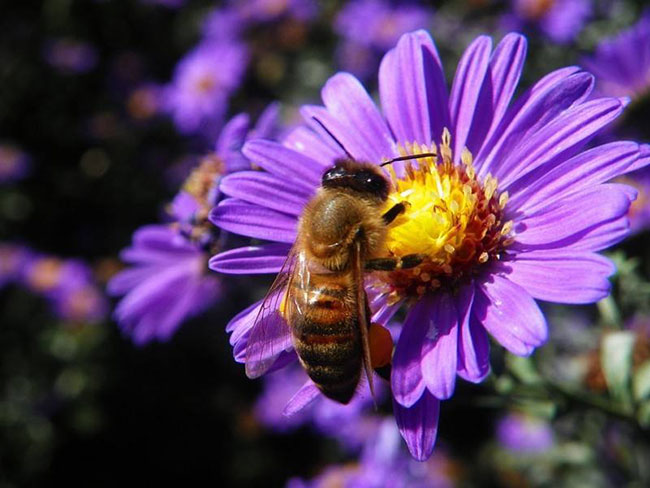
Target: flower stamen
[{"x": 451, "y": 217}]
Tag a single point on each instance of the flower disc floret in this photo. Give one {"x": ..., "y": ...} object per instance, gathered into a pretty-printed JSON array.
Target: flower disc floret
[{"x": 451, "y": 217}]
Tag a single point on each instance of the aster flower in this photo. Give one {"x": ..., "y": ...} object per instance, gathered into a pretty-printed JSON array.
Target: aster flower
[
  {"x": 223, "y": 24},
  {"x": 197, "y": 97},
  {"x": 512, "y": 208},
  {"x": 560, "y": 21},
  {"x": 169, "y": 280},
  {"x": 13, "y": 258},
  {"x": 621, "y": 64},
  {"x": 14, "y": 163},
  {"x": 370, "y": 27},
  {"x": 522, "y": 433},
  {"x": 385, "y": 463},
  {"x": 67, "y": 284},
  {"x": 70, "y": 56}
]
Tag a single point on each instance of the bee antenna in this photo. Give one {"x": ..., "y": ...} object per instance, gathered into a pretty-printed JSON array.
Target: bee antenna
[
  {"x": 340, "y": 144},
  {"x": 410, "y": 156}
]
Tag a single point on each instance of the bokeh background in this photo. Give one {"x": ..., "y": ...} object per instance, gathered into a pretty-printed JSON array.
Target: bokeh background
[{"x": 91, "y": 149}]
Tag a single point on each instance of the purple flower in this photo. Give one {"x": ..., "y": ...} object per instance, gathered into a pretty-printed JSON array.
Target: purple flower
[
  {"x": 13, "y": 258},
  {"x": 525, "y": 434},
  {"x": 169, "y": 280},
  {"x": 204, "y": 79},
  {"x": 560, "y": 21},
  {"x": 70, "y": 56},
  {"x": 370, "y": 27},
  {"x": 385, "y": 463},
  {"x": 67, "y": 284},
  {"x": 622, "y": 64},
  {"x": 14, "y": 163},
  {"x": 167, "y": 283},
  {"x": 377, "y": 23},
  {"x": 223, "y": 24},
  {"x": 512, "y": 208}
]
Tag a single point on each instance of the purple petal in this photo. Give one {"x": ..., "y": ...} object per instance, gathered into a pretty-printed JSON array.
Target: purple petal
[
  {"x": 440, "y": 348},
  {"x": 251, "y": 220},
  {"x": 231, "y": 138},
  {"x": 504, "y": 72},
  {"x": 324, "y": 151},
  {"x": 465, "y": 90},
  {"x": 269, "y": 337},
  {"x": 588, "y": 168},
  {"x": 558, "y": 140},
  {"x": 573, "y": 215},
  {"x": 644, "y": 158},
  {"x": 419, "y": 425},
  {"x": 406, "y": 376},
  {"x": 548, "y": 98},
  {"x": 286, "y": 164},
  {"x": 511, "y": 315},
  {"x": 266, "y": 190},
  {"x": 412, "y": 89},
  {"x": 303, "y": 397},
  {"x": 365, "y": 129},
  {"x": 562, "y": 276},
  {"x": 473, "y": 342},
  {"x": 267, "y": 258}
]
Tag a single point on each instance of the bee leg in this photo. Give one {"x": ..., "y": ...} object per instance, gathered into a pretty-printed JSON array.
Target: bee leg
[
  {"x": 391, "y": 264},
  {"x": 394, "y": 211}
]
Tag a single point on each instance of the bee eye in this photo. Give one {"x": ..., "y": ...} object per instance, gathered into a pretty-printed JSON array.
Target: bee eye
[{"x": 334, "y": 173}]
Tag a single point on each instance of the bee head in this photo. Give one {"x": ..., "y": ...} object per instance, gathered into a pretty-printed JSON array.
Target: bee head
[{"x": 360, "y": 177}]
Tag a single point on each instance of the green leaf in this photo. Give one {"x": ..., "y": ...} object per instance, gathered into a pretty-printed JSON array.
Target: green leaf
[
  {"x": 616, "y": 358},
  {"x": 641, "y": 382}
]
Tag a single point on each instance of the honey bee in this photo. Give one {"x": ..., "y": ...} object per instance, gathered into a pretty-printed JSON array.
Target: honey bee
[{"x": 318, "y": 302}]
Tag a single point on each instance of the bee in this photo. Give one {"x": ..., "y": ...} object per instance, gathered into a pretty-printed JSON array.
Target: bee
[{"x": 318, "y": 302}]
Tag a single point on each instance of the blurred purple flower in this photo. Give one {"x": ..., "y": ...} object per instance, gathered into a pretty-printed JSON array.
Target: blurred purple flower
[
  {"x": 525, "y": 434},
  {"x": 67, "y": 284},
  {"x": 14, "y": 163},
  {"x": 559, "y": 20},
  {"x": 378, "y": 24},
  {"x": 385, "y": 463},
  {"x": 497, "y": 228},
  {"x": 198, "y": 96},
  {"x": 223, "y": 24},
  {"x": 70, "y": 56},
  {"x": 621, "y": 64},
  {"x": 370, "y": 27},
  {"x": 13, "y": 258}
]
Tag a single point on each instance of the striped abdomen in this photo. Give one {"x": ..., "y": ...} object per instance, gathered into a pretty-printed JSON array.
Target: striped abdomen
[{"x": 326, "y": 333}]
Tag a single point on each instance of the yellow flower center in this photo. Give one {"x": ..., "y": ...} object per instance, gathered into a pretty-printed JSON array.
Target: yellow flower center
[{"x": 451, "y": 218}]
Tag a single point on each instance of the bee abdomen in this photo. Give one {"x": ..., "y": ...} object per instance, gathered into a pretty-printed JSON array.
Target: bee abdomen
[{"x": 338, "y": 382}]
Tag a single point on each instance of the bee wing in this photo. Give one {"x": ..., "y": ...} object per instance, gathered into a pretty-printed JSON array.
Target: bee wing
[
  {"x": 363, "y": 310},
  {"x": 270, "y": 334}
]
